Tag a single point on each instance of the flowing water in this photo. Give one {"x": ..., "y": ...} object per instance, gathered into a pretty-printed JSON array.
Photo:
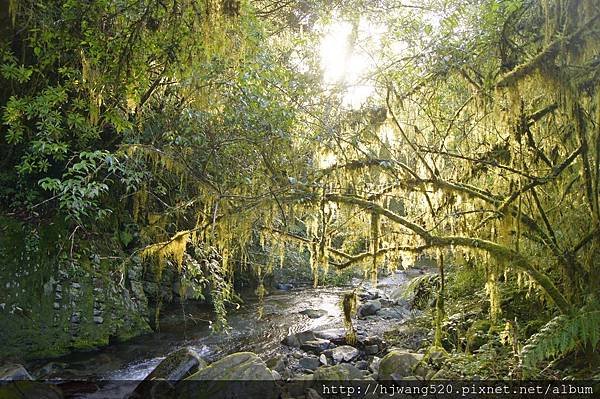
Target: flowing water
[{"x": 188, "y": 325}]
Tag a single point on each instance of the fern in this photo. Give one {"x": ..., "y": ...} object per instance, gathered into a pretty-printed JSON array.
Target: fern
[{"x": 561, "y": 335}]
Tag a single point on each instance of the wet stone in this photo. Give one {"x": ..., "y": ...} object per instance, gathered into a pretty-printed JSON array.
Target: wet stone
[
  {"x": 344, "y": 353},
  {"x": 314, "y": 313},
  {"x": 316, "y": 345},
  {"x": 309, "y": 363}
]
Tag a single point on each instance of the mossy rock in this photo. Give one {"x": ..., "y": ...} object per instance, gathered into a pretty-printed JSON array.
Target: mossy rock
[
  {"x": 30, "y": 389},
  {"x": 240, "y": 374},
  {"x": 175, "y": 367},
  {"x": 340, "y": 372},
  {"x": 399, "y": 365},
  {"x": 477, "y": 334}
]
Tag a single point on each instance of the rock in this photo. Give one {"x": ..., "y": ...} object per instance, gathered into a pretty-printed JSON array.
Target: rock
[
  {"x": 335, "y": 335},
  {"x": 436, "y": 357},
  {"x": 309, "y": 363},
  {"x": 340, "y": 372},
  {"x": 316, "y": 346},
  {"x": 362, "y": 365},
  {"x": 175, "y": 367},
  {"x": 312, "y": 394},
  {"x": 374, "y": 366},
  {"x": 298, "y": 339},
  {"x": 477, "y": 334},
  {"x": 314, "y": 313},
  {"x": 231, "y": 377},
  {"x": 276, "y": 375},
  {"x": 394, "y": 313},
  {"x": 344, "y": 353},
  {"x": 444, "y": 374},
  {"x": 277, "y": 363},
  {"x": 75, "y": 318},
  {"x": 98, "y": 320},
  {"x": 370, "y": 295},
  {"x": 284, "y": 287},
  {"x": 397, "y": 365},
  {"x": 323, "y": 359},
  {"x": 298, "y": 386},
  {"x": 30, "y": 389},
  {"x": 13, "y": 372},
  {"x": 369, "y": 308},
  {"x": 371, "y": 349}
]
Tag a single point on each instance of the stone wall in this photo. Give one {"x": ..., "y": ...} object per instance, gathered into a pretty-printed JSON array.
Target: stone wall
[{"x": 55, "y": 299}]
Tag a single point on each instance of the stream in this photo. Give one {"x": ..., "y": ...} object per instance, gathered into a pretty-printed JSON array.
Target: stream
[{"x": 117, "y": 368}]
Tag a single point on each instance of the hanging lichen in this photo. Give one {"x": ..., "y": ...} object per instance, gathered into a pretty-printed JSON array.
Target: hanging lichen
[
  {"x": 492, "y": 289},
  {"x": 349, "y": 304},
  {"x": 374, "y": 246}
]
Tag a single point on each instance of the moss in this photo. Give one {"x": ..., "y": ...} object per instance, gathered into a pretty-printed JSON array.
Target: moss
[{"x": 49, "y": 301}]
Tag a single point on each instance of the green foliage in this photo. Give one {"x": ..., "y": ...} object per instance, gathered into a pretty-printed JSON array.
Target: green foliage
[{"x": 561, "y": 335}]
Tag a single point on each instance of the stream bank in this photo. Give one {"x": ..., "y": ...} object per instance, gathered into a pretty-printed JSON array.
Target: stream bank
[{"x": 289, "y": 319}]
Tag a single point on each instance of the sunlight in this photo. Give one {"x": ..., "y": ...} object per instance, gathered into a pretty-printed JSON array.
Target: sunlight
[{"x": 347, "y": 64}]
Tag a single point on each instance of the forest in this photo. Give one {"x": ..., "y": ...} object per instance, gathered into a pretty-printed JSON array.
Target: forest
[{"x": 297, "y": 192}]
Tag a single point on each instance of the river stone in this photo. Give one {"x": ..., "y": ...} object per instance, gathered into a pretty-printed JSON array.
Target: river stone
[
  {"x": 233, "y": 376},
  {"x": 339, "y": 372},
  {"x": 29, "y": 389},
  {"x": 298, "y": 339},
  {"x": 298, "y": 386},
  {"x": 312, "y": 394},
  {"x": 314, "y": 313},
  {"x": 13, "y": 372},
  {"x": 344, "y": 353},
  {"x": 277, "y": 363},
  {"x": 175, "y": 367},
  {"x": 369, "y": 308},
  {"x": 316, "y": 346},
  {"x": 309, "y": 363},
  {"x": 370, "y": 295},
  {"x": 335, "y": 335},
  {"x": 394, "y": 313},
  {"x": 398, "y": 364},
  {"x": 284, "y": 287},
  {"x": 323, "y": 359},
  {"x": 362, "y": 365}
]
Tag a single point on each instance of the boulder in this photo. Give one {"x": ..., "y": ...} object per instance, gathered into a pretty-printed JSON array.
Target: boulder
[
  {"x": 344, "y": 353},
  {"x": 233, "y": 376},
  {"x": 394, "y": 313},
  {"x": 314, "y": 313},
  {"x": 13, "y": 372},
  {"x": 284, "y": 287},
  {"x": 370, "y": 294},
  {"x": 335, "y": 335},
  {"x": 323, "y": 360},
  {"x": 278, "y": 363},
  {"x": 298, "y": 386},
  {"x": 298, "y": 339},
  {"x": 175, "y": 367},
  {"x": 397, "y": 365},
  {"x": 309, "y": 363},
  {"x": 29, "y": 389},
  {"x": 369, "y": 308},
  {"x": 316, "y": 346},
  {"x": 340, "y": 372},
  {"x": 312, "y": 394},
  {"x": 362, "y": 365}
]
